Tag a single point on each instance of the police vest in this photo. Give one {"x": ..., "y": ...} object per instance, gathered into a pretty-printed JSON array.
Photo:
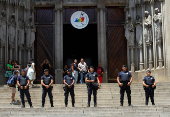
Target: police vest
[
  {"x": 68, "y": 79},
  {"x": 47, "y": 80},
  {"x": 23, "y": 81},
  {"x": 124, "y": 77},
  {"x": 149, "y": 80},
  {"x": 92, "y": 76}
]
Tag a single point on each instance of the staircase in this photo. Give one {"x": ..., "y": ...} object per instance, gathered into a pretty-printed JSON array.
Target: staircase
[{"x": 108, "y": 99}]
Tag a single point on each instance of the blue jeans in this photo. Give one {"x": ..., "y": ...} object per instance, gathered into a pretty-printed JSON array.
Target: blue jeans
[
  {"x": 76, "y": 76},
  {"x": 82, "y": 77}
]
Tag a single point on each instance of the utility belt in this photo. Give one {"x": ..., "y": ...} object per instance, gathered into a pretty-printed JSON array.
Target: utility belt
[
  {"x": 50, "y": 87},
  {"x": 150, "y": 87},
  {"x": 95, "y": 85},
  {"x": 66, "y": 87},
  {"x": 124, "y": 82},
  {"x": 23, "y": 87}
]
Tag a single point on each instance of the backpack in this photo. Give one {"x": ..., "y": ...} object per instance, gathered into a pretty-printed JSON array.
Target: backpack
[{"x": 11, "y": 81}]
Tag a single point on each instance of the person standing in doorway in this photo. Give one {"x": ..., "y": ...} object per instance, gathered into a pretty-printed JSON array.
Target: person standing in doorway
[
  {"x": 69, "y": 87},
  {"x": 124, "y": 80},
  {"x": 93, "y": 84},
  {"x": 83, "y": 68},
  {"x": 75, "y": 70},
  {"x": 149, "y": 84},
  {"x": 23, "y": 83},
  {"x": 65, "y": 70},
  {"x": 46, "y": 65},
  {"x": 72, "y": 70},
  {"x": 100, "y": 72}
]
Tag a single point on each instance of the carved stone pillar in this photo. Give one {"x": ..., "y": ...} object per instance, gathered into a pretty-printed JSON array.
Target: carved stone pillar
[
  {"x": 141, "y": 64},
  {"x": 132, "y": 58},
  {"x": 149, "y": 45},
  {"x": 102, "y": 54},
  {"x": 58, "y": 44},
  {"x": 29, "y": 55},
  {"x": 20, "y": 53},
  {"x": 1, "y": 55},
  {"x": 11, "y": 51},
  {"x": 160, "y": 60}
]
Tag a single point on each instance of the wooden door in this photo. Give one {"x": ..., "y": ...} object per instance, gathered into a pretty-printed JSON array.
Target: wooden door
[
  {"x": 116, "y": 42},
  {"x": 45, "y": 40}
]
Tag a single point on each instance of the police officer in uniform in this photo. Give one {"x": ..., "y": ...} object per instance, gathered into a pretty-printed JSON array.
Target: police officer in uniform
[
  {"x": 23, "y": 83},
  {"x": 93, "y": 84},
  {"x": 69, "y": 81},
  {"x": 149, "y": 86},
  {"x": 124, "y": 80},
  {"x": 47, "y": 81}
]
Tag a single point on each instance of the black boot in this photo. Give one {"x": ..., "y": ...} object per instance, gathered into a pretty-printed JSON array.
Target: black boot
[
  {"x": 88, "y": 105},
  {"x": 23, "y": 106},
  {"x": 121, "y": 104},
  {"x": 95, "y": 105},
  {"x": 42, "y": 106}
]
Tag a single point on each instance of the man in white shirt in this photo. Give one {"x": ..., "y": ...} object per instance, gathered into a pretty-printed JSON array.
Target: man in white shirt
[{"x": 82, "y": 66}]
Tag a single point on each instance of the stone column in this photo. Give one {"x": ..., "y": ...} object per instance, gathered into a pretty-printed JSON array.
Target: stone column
[
  {"x": 102, "y": 54},
  {"x": 132, "y": 58},
  {"x": 20, "y": 53},
  {"x": 11, "y": 51},
  {"x": 58, "y": 44},
  {"x": 1, "y": 55},
  {"x": 16, "y": 33},
  {"x": 6, "y": 44},
  {"x": 141, "y": 64},
  {"x": 29, "y": 55},
  {"x": 160, "y": 60},
  {"x": 150, "y": 55}
]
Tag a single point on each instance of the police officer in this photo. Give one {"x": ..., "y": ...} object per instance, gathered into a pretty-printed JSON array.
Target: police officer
[
  {"x": 149, "y": 86},
  {"x": 93, "y": 84},
  {"x": 23, "y": 83},
  {"x": 124, "y": 80},
  {"x": 47, "y": 81},
  {"x": 69, "y": 81}
]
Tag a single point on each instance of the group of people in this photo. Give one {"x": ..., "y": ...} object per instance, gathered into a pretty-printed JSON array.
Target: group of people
[
  {"x": 17, "y": 72},
  {"x": 124, "y": 80},
  {"x": 92, "y": 80},
  {"x": 82, "y": 70}
]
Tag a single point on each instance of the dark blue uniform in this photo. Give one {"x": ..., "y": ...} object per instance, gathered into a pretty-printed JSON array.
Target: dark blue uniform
[
  {"x": 47, "y": 81},
  {"x": 125, "y": 78},
  {"x": 23, "y": 82},
  {"x": 90, "y": 87},
  {"x": 149, "y": 92},
  {"x": 69, "y": 80}
]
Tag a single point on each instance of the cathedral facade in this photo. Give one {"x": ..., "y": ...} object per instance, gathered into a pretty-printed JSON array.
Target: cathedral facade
[{"x": 132, "y": 32}]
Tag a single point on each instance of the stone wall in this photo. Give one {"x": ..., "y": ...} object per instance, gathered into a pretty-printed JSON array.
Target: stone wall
[
  {"x": 167, "y": 37},
  {"x": 146, "y": 28},
  {"x": 17, "y": 32}
]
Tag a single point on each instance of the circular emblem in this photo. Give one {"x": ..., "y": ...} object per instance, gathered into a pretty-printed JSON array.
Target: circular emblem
[{"x": 79, "y": 19}]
